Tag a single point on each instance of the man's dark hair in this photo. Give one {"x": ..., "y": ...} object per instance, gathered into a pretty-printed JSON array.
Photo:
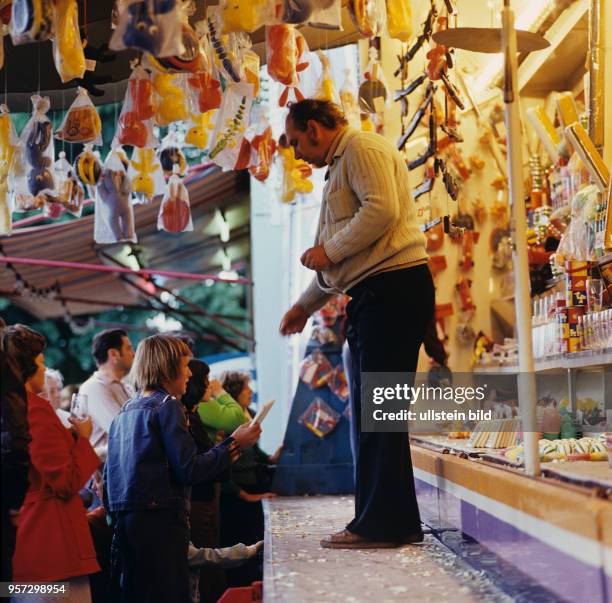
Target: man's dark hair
[
  {"x": 328, "y": 114},
  {"x": 111, "y": 339},
  {"x": 21, "y": 345}
]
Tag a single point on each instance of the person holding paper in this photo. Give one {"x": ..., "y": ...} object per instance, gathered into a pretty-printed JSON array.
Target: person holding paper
[{"x": 368, "y": 245}]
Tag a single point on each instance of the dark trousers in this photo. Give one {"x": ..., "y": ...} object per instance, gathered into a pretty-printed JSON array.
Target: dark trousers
[
  {"x": 9, "y": 534},
  {"x": 153, "y": 556},
  {"x": 387, "y": 319}
]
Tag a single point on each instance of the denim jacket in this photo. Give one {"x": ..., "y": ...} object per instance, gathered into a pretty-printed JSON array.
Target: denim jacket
[{"x": 152, "y": 458}]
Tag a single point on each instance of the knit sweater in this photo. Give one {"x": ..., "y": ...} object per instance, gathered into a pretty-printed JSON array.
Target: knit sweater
[{"x": 367, "y": 222}]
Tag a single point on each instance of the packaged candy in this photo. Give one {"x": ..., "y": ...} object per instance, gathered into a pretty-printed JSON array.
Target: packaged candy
[
  {"x": 326, "y": 89},
  {"x": 320, "y": 418},
  {"x": 246, "y": 15},
  {"x": 135, "y": 127},
  {"x": 296, "y": 174},
  {"x": 170, "y": 154},
  {"x": 315, "y": 370},
  {"x": 81, "y": 122},
  {"x": 37, "y": 142},
  {"x": 285, "y": 47},
  {"x": 368, "y": 16},
  {"x": 152, "y": 26},
  {"x": 229, "y": 148},
  {"x": 174, "y": 211},
  {"x": 172, "y": 98},
  {"x": 323, "y": 335},
  {"x": 146, "y": 174},
  {"x": 225, "y": 46},
  {"x": 338, "y": 383},
  {"x": 114, "y": 214},
  {"x": 200, "y": 128},
  {"x": 399, "y": 19},
  {"x": 68, "y": 51},
  {"x": 32, "y": 20}
]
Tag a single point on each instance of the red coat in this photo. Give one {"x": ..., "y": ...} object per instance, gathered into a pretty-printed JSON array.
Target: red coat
[{"x": 53, "y": 538}]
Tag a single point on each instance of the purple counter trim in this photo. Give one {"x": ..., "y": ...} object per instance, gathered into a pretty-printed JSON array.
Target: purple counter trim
[{"x": 567, "y": 577}]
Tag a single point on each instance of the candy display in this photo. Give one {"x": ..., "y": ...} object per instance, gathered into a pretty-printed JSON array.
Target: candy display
[
  {"x": 320, "y": 418},
  {"x": 174, "y": 211},
  {"x": 114, "y": 215},
  {"x": 82, "y": 122}
]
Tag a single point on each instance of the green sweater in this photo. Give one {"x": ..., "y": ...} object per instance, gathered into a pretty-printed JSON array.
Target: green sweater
[{"x": 221, "y": 413}]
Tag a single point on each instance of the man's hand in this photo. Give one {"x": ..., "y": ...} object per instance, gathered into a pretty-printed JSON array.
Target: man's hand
[
  {"x": 315, "y": 258},
  {"x": 294, "y": 320}
]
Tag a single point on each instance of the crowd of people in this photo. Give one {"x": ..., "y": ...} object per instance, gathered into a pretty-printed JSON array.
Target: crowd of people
[{"x": 153, "y": 495}]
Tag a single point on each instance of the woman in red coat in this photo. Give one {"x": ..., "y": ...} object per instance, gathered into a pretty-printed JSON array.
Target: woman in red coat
[{"x": 53, "y": 538}]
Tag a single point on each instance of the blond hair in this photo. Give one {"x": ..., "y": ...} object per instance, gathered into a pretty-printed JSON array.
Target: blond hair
[{"x": 157, "y": 359}]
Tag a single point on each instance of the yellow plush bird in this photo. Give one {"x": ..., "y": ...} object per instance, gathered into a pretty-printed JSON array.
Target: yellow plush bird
[
  {"x": 145, "y": 166},
  {"x": 172, "y": 106}
]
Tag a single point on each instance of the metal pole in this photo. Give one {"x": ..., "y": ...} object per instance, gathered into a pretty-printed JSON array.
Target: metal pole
[{"x": 522, "y": 288}]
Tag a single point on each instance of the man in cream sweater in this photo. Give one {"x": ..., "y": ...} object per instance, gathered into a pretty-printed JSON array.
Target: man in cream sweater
[{"x": 369, "y": 246}]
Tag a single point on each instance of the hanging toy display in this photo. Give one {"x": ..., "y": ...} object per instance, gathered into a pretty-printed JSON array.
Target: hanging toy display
[
  {"x": 200, "y": 128},
  {"x": 150, "y": 26},
  {"x": 146, "y": 174},
  {"x": 82, "y": 122},
  {"x": 68, "y": 51},
  {"x": 8, "y": 157},
  {"x": 172, "y": 95},
  {"x": 326, "y": 89},
  {"x": 245, "y": 15},
  {"x": 170, "y": 154},
  {"x": 368, "y": 16},
  {"x": 134, "y": 127},
  {"x": 227, "y": 148},
  {"x": 399, "y": 19},
  {"x": 349, "y": 101},
  {"x": 32, "y": 21},
  {"x": 285, "y": 48},
  {"x": 114, "y": 214},
  {"x": 174, "y": 211},
  {"x": 296, "y": 172}
]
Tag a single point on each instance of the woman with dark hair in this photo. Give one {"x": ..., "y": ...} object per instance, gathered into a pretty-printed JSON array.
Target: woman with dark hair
[
  {"x": 204, "y": 513},
  {"x": 53, "y": 539}
]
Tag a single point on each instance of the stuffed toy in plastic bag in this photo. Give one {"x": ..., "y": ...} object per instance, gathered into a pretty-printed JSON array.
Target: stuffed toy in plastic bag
[
  {"x": 68, "y": 51},
  {"x": 37, "y": 143},
  {"x": 152, "y": 26},
  {"x": 228, "y": 146},
  {"x": 87, "y": 166},
  {"x": 200, "y": 129},
  {"x": 246, "y": 15},
  {"x": 170, "y": 154},
  {"x": 32, "y": 20},
  {"x": 285, "y": 49},
  {"x": 296, "y": 173},
  {"x": 320, "y": 418},
  {"x": 146, "y": 174},
  {"x": 205, "y": 85},
  {"x": 326, "y": 88},
  {"x": 82, "y": 122},
  {"x": 135, "y": 127},
  {"x": 264, "y": 147},
  {"x": 114, "y": 214},
  {"x": 174, "y": 211},
  {"x": 8, "y": 155},
  {"x": 368, "y": 16},
  {"x": 172, "y": 98},
  {"x": 348, "y": 100},
  {"x": 399, "y": 19}
]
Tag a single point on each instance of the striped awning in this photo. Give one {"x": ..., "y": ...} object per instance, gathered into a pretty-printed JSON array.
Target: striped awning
[{"x": 72, "y": 241}]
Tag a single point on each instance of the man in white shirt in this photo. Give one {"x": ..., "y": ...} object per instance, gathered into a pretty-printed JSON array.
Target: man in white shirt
[{"x": 106, "y": 390}]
